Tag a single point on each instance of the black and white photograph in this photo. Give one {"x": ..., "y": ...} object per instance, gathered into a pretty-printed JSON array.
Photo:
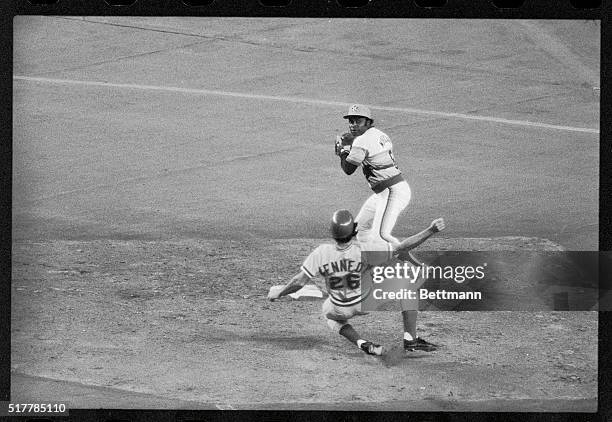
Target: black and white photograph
[{"x": 193, "y": 200}]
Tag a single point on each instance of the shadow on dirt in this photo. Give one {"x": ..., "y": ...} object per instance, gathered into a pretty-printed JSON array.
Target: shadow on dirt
[
  {"x": 396, "y": 356},
  {"x": 222, "y": 336},
  {"x": 290, "y": 343}
]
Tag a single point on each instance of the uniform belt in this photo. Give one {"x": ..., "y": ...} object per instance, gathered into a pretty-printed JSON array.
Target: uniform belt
[
  {"x": 348, "y": 302},
  {"x": 386, "y": 166},
  {"x": 381, "y": 186}
]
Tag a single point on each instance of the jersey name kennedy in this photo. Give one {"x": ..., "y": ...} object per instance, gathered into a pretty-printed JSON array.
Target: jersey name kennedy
[{"x": 346, "y": 265}]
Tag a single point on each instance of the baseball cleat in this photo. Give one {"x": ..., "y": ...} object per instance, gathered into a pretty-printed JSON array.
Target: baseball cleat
[
  {"x": 419, "y": 344},
  {"x": 371, "y": 348}
]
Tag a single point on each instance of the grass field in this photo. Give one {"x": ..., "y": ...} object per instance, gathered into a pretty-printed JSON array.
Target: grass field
[{"x": 168, "y": 171}]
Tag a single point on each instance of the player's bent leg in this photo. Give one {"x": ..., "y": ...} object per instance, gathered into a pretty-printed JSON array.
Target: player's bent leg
[
  {"x": 348, "y": 332},
  {"x": 336, "y": 318},
  {"x": 365, "y": 218},
  {"x": 381, "y": 203},
  {"x": 328, "y": 310},
  {"x": 335, "y": 326},
  {"x": 398, "y": 198}
]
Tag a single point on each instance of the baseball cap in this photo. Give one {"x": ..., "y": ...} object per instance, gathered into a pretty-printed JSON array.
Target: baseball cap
[{"x": 359, "y": 110}]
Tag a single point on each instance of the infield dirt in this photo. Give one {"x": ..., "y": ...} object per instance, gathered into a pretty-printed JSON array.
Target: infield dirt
[{"x": 187, "y": 320}]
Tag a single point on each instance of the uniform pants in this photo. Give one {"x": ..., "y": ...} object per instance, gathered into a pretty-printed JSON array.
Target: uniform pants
[{"x": 380, "y": 212}]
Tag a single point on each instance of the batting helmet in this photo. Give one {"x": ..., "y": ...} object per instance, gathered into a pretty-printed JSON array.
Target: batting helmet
[
  {"x": 342, "y": 225},
  {"x": 359, "y": 110}
]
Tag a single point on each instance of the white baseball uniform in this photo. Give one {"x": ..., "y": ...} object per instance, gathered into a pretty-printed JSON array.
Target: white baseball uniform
[
  {"x": 373, "y": 150},
  {"x": 341, "y": 266}
]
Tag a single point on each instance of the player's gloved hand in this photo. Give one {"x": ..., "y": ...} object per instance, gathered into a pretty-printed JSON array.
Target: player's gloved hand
[
  {"x": 338, "y": 145},
  {"x": 344, "y": 142},
  {"x": 437, "y": 225},
  {"x": 347, "y": 138}
]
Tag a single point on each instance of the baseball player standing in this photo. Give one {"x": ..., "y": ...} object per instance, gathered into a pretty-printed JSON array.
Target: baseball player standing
[
  {"x": 372, "y": 149},
  {"x": 341, "y": 265}
]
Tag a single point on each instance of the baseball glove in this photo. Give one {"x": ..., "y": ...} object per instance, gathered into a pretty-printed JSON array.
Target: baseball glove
[{"x": 344, "y": 142}]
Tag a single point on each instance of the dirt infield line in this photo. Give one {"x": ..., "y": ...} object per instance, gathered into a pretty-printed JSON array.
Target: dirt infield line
[{"x": 306, "y": 101}]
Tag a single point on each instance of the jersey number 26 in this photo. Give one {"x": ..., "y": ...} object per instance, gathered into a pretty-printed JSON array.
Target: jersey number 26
[{"x": 350, "y": 281}]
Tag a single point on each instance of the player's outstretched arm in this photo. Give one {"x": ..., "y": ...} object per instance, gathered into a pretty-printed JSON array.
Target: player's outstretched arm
[
  {"x": 296, "y": 283},
  {"x": 415, "y": 240}
]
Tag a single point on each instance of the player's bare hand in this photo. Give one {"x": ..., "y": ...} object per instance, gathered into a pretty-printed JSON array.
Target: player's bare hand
[
  {"x": 437, "y": 225},
  {"x": 273, "y": 294}
]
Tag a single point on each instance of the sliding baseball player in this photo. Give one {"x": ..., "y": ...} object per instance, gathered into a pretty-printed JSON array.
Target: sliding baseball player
[{"x": 341, "y": 265}]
